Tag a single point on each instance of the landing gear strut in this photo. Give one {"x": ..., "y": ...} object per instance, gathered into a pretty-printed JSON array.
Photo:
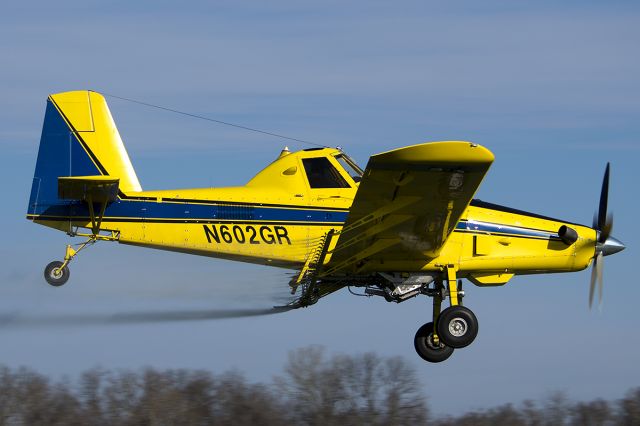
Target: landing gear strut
[
  {"x": 94, "y": 191},
  {"x": 455, "y": 327}
]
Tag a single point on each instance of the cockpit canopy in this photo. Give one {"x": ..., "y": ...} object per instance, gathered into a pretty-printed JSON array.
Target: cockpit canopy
[{"x": 310, "y": 169}]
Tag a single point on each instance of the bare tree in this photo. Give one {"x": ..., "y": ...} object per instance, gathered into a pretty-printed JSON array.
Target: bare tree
[
  {"x": 28, "y": 398},
  {"x": 532, "y": 414},
  {"x": 241, "y": 404},
  {"x": 91, "y": 396},
  {"x": 594, "y": 413},
  {"x": 358, "y": 390},
  {"x": 556, "y": 409},
  {"x": 629, "y": 408},
  {"x": 121, "y": 395}
]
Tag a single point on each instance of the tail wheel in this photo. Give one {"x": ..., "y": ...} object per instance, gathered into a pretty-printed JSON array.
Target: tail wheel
[
  {"x": 457, "y": 326},
  {"x": 427, "y": 349},
  {"x": 56, "y": 274}
]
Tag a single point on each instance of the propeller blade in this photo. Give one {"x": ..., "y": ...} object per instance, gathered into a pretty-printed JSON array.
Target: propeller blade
[
  {"x": 605, "y": 232},
  {"x": 603, "y": 223},
  {"x": 594, "y": 275},
  {"x": 599, "y": 267},
  {"x": 604, "y": 197}
]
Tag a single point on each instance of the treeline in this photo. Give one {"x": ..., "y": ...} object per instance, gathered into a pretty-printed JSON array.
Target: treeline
[
  {"x": 556, "y": 410},
  {"x": 313, "y": 389}
]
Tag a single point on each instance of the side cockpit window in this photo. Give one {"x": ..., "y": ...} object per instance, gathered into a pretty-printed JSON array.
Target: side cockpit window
[
  {"x": 350, "y": 167},
  {"x": 322, "y": 174}
]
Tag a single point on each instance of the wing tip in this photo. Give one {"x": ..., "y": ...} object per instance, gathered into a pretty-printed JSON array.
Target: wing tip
[{"x": 448, "y": 152}]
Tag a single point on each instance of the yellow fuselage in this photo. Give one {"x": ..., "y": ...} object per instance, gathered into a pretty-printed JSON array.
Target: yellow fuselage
[
  {"x": 277, "y": 218},
  {"x": 489, "y": 244}
]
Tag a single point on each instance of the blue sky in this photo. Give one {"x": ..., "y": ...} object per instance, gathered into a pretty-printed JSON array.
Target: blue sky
[{"x": 552, "y": 89}]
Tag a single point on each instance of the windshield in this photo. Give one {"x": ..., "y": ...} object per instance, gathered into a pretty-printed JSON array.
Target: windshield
[{"x": 350, "y": 167}]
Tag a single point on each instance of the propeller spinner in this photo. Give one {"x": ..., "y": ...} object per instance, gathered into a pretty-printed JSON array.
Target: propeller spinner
[{"x": 605, "y": 244}]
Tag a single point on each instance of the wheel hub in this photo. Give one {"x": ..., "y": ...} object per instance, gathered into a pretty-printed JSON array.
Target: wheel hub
[
  {"x": 432, "y": 344},
  {"x": 458, "y": 327},
  {"x": 56, "y": 273}
]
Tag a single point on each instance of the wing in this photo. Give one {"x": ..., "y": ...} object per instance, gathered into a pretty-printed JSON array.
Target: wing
[{"x": 408, "y": 203}]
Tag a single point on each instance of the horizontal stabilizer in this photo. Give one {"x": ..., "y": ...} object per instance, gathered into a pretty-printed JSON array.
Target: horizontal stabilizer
[{"x": 99, "y": 189}]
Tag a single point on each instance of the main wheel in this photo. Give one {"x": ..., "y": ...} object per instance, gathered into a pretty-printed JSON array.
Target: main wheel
[
  {"x": 55, "y": 275},
  {"x": 427, "y": 349},
  {"x": 457, "y": 326}
]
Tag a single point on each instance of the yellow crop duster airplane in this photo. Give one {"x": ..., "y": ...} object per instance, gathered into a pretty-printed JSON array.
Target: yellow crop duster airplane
[{"x": 405, "y": 226}]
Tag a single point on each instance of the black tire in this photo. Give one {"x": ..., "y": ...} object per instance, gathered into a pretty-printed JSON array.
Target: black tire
[
  {"x": 56, "y": 276},
  {"x": 423, "y": 342},
  {"x": 457, "y": 326}
]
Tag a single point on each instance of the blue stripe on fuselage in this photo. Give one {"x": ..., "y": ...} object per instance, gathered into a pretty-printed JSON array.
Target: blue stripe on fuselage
[{"x": 164, "y": 210}]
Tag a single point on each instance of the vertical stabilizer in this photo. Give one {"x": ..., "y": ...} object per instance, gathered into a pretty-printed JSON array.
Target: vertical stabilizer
[
  {"x": 79, "y": 138},
  {"x": 89, "y": 117}
]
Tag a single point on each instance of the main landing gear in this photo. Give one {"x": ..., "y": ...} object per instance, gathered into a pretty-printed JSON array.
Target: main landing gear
[{"x": 453, "y": 328}]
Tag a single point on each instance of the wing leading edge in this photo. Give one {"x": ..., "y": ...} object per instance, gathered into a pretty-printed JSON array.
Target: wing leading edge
[{"x": 408, "y": 203}]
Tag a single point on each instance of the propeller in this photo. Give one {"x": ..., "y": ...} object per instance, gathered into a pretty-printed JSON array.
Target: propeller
[{"x": 605, "y": 243}]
